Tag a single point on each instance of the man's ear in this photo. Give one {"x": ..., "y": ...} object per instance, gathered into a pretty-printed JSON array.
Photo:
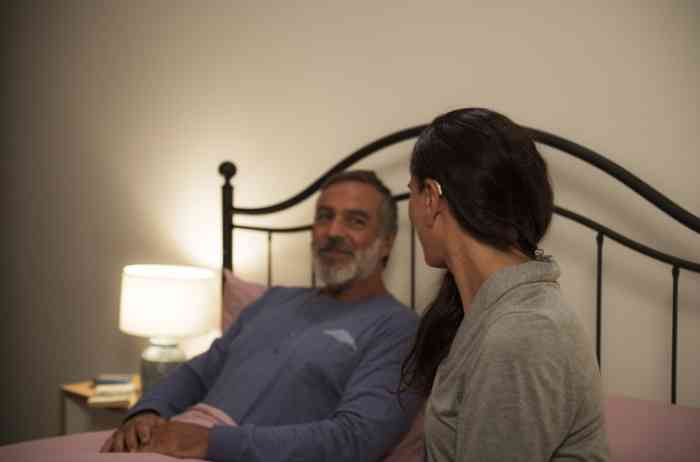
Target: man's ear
[{"x": 387, "y": 245}]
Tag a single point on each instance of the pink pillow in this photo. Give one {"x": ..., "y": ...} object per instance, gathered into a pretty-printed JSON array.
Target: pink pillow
[{"x": 237, "y": 295}]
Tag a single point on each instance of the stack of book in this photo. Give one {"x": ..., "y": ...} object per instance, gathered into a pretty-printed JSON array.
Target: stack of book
[{"x": 113, "y": 390}]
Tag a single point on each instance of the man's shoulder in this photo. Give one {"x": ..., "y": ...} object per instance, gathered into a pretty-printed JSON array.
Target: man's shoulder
[
  {"x": 284, "y": 292},
  {"x": 389, "y": 313},
  {"x": 272, "y": 299},
  {"x": 387, "y": 323},
  {"x": 385, "y": 303},
  {"x": 389, "y": 303},
  {"x": 380, "y": 308}
]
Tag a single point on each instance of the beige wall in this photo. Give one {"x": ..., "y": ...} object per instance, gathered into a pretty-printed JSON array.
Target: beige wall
[{"x": 119, "y": 113}]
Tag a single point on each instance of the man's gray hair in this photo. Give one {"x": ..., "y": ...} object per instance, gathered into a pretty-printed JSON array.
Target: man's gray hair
[{"x": 388, "y": 210}]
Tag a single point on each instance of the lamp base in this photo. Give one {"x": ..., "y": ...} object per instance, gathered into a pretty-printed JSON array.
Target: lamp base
[{"x": 158, "y": 360}]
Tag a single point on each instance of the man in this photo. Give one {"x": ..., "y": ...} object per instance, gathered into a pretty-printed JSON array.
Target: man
[{"x": 303, "y": 374}]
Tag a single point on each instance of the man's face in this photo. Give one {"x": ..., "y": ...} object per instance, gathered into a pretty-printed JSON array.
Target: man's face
[{"x": 347, "y": 243}]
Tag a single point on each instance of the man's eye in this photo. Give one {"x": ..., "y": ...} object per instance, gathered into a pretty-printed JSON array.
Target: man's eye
[
  {"x": 322, "y": 216},
  {"x": 358, "y": 222}
]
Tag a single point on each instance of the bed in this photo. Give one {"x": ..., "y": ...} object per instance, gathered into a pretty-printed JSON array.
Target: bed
[{"x": 639, "y": 430}]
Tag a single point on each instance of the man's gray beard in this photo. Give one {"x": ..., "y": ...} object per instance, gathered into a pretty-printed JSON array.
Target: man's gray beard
[{"x": 362, "y": 265}]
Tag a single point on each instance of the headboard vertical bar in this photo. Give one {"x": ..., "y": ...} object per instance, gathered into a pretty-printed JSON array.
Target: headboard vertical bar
[
  {"x": 599, "y": 301},
  {"x": 413, "y": 269},
  {"x": 269, "y": 258},
  {"x": 313, "y": 268},
  {"x": 228, "y": 170},
  {"x": 674, "y": 337}
]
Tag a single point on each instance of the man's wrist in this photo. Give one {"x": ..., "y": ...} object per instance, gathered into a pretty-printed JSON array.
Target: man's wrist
[{"x": 140, "y": 413}]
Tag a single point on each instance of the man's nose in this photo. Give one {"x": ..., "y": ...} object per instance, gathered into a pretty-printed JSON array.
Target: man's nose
[{"x": 336, "y": 228}]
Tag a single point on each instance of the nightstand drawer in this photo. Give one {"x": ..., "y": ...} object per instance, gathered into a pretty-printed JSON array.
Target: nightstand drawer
[{"x": 78, "y": 417}]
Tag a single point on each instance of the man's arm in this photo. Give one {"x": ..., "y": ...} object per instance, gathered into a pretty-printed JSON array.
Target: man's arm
[
  {"x": 188, "y": 384},
  {"x": 184, "y": 387},
  {"x": 145, "y": 427},
  {"x": 368, "y": 421}
]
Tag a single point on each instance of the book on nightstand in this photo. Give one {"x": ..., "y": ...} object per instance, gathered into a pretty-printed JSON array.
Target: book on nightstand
[
  {"x": 110, "y": 400},
  {"x": 106, "y": 379},
  {"x": 113, "y": 390}
]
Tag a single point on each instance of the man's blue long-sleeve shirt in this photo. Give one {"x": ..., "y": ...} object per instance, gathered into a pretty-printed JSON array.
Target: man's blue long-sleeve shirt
[{"x": 305, "y": 376}]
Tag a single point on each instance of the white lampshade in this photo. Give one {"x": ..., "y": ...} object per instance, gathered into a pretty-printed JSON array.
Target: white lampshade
[{"x": 160, "y": 301}]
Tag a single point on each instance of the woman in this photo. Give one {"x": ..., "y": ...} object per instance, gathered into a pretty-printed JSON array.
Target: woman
[{"x": 506, "y": 366}]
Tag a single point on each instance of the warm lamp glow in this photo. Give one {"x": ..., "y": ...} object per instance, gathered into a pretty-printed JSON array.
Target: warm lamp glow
[
  {"x": 165, "y": 303},
  {"x": 168, "y": 301}
]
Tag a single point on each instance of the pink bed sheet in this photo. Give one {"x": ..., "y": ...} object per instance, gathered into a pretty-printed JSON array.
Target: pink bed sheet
[
  {"x": 81, "y": 447},
  {"x": 638, "y": 430},
  {"x": 651, "y": 431},
  {"x": 85, "y": 446}
]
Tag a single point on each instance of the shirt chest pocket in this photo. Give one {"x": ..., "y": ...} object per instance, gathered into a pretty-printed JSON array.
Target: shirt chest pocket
[{"x": 325, "y": 356}]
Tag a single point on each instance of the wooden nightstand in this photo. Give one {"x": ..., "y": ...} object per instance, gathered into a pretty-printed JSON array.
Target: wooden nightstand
[{"x": 79, "y": 416}]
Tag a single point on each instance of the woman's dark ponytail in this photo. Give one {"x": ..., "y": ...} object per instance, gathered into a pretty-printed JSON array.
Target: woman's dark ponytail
[{"x": 437, "y": 329}]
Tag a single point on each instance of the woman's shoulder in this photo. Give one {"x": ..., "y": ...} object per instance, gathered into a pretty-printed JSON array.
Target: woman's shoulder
[
  {"x": 531, "y": 323},
  {"x": 535, "y": 303}
]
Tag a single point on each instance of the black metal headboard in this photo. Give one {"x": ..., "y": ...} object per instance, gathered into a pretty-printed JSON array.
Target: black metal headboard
[{"x": 661, "y": 202}]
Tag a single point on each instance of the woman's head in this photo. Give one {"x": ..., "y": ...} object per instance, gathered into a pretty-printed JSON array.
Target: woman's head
[
  {"x": 495, "y": 185},
  {"x": 491, "y": 175}
]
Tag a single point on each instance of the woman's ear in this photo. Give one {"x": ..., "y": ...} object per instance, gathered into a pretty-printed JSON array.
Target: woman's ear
[
  {"x": 435, "y": 185},
  {"x": 432, "y": 197}
]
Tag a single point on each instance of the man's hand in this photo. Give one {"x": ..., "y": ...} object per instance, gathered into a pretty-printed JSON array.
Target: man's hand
[
  {"x": 178, "y": 439},
  {"x": 133, "y": 434}
]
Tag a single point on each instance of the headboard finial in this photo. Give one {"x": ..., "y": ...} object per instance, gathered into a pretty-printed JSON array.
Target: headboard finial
[{"x": 228, "y": 170}]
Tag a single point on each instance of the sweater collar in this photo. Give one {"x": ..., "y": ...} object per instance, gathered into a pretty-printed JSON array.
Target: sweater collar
[{"x": 506, "y": 279}]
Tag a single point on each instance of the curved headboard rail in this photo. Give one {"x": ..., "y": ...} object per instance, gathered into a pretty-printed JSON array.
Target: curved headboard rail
[
  {"x": 656, "y": 198},
  {"x": 599, "y": 161},
  {"x": 348, "y": 161},
  {"x": 627, "y": 242},
  {"x": 639, "y": 186},
  {"x": 674, "y": 261}
]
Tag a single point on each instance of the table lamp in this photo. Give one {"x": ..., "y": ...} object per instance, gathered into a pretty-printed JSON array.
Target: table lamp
[{"x": 166, "y": 303}]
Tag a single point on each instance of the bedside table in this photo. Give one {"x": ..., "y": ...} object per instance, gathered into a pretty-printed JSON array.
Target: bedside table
[{"x": 79, "y": 416}]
